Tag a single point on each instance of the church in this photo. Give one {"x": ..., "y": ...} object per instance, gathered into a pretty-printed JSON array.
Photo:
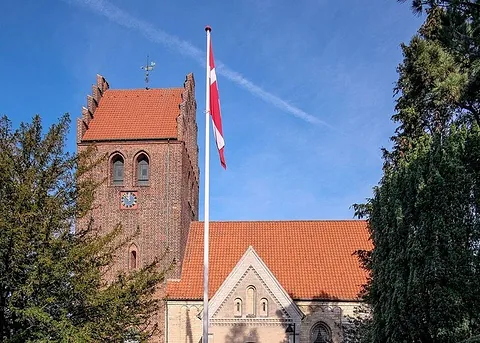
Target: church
[{"x": 270, "y": 281}]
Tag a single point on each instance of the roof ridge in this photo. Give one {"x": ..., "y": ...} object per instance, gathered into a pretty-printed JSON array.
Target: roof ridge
[{"x": 143, "y": 89}]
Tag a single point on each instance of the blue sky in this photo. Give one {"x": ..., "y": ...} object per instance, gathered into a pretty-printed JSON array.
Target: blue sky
[{"x": 305, "y": 86}]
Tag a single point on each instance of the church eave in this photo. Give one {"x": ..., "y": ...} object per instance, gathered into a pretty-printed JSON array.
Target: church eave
[{"x": 103, "y": 140}]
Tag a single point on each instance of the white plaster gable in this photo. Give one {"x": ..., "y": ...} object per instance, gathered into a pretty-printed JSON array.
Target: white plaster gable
[{"x": 251, "y": 269}]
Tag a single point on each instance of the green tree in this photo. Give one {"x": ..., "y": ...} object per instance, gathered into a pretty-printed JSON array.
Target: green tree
[
  {"x": 424, "y": 221},
  {"x": 51, "y": 285},
  {"x": 356, "y": 327},
  {"x": 424, "y": 216}
]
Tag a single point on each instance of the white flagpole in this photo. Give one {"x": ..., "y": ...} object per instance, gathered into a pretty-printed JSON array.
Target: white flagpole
[{"x": 207, "y": 195}]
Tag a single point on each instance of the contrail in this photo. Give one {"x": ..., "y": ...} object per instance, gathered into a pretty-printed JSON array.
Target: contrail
[{"x": 120, "y": 17}]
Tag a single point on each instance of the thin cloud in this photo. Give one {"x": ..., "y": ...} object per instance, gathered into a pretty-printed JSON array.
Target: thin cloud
[{"x": 120, "y": 17}]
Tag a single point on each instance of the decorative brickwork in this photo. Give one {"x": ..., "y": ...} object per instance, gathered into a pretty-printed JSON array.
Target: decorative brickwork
[
  {"x": 168, "y": 202},
  {"x": 229, "y": 324},
  {"x": 92, "y": 102},
  {"x": 264, "y": 276}
]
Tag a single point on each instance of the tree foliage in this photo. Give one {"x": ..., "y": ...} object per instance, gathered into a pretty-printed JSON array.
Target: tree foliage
[
  {"x": 51, "y": 285},
  {"x": 424, "y": 216},
  {"x": 424, "y": 224}
]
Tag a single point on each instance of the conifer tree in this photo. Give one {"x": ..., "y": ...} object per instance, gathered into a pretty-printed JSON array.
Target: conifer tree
[{"x": 424, "y": 216}]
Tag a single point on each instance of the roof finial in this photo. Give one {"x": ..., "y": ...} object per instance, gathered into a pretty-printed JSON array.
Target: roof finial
[{"x": 148, "y": 67}]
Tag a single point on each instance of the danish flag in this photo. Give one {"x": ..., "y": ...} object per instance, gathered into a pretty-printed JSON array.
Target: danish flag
[{"x": 215, "y": 110}]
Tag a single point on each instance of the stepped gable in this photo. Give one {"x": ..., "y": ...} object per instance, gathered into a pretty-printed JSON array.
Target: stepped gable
[{"x": 130, "y": 114}]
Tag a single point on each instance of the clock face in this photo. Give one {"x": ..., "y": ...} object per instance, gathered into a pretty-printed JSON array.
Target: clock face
[{"x": 128, "y": 200}]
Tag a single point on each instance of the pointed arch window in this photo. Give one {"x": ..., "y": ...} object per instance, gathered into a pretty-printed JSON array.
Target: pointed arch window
[
  {"x": 321, "y": 333},
  {"x": 143, "y": 170},
  {"x": 250, "y": 301},
  {"x": 133, "y": 259},
  {"x": 117, "y": 170}
]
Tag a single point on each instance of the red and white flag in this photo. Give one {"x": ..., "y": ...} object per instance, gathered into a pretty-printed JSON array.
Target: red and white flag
[{"x": 215, "y": 110}]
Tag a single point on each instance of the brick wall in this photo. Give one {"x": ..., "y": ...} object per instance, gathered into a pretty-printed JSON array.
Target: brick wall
[
  {"x": 169, "y": 202},
  {"x": 92, "y": 103},
  {"x": 334, "y": 314},
  {"x": 187, "y": 125},
  {"x": 159, "y": 212}
]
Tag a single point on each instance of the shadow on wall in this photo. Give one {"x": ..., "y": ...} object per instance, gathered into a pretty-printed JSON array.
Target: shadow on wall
[
  {"x": 241, "y": 334},
  {"x": 279, "y": 314},
  {"x": 325, "y": 297},
  {"x": 324, "y": 324},
  {"x": 188, "y": 328}
]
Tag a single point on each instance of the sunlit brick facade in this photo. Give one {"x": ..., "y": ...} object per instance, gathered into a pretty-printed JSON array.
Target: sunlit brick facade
[
  {"x": 156, "y": 126},
  {"x": 266, "y": 278}
]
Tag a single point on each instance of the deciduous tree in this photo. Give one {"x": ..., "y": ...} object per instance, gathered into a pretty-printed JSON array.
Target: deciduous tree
[{"x": 51, "y": 285}]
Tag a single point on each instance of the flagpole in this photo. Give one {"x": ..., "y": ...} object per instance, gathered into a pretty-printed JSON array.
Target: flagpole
[{"x": 206, "y": 194}]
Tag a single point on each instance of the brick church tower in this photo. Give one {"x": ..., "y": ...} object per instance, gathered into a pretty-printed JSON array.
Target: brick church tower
[{"x": 151, "y": 171}]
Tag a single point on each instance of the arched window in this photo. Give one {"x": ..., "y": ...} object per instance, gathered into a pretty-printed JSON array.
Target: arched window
[
  {"x": 321, "y": 333},
  {"x": 264, "y": 307},
  {"x": 143, "y": 170},
  {"x": 251, "y": 294},
  {"x": 117, "y": 170},
  {"x": 133, "y": 257},
  {"x": 237, "y": 307}
]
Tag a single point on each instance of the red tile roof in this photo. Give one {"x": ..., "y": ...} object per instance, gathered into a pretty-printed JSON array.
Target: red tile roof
[
  {"x": 136, "y": 114},
  {"x": 310, "y": 259}
]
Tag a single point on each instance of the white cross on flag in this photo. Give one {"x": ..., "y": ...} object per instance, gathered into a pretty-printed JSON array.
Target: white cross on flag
[{"x": 215, "y": 110}]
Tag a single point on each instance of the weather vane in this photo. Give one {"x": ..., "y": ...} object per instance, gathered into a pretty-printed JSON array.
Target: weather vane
[{"x": 148, "y": 68}]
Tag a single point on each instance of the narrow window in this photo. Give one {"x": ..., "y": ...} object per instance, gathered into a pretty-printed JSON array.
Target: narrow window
[
  {"x": 250, "y": 310},
  {"x": 237, "y": 311},
  {"x": 142, "y": 170},
  {"x": 133, "y": 259},
  {"x": 117, "y": 170},
  {"x": 264, "y": 307}
]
